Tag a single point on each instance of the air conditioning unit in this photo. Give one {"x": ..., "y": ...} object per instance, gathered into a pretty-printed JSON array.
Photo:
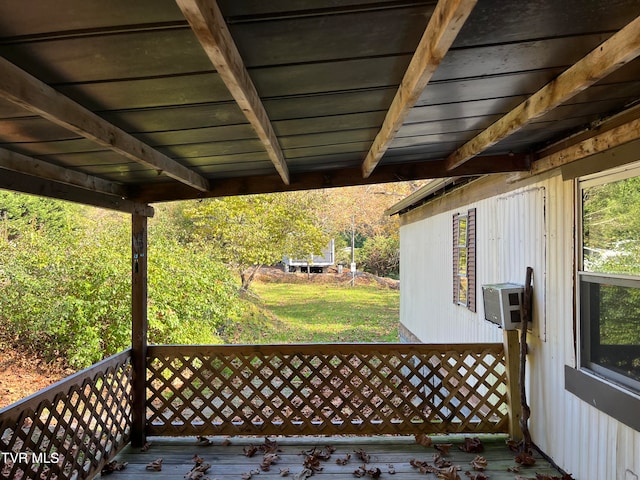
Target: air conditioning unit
[{"x": 502, "y": 304}]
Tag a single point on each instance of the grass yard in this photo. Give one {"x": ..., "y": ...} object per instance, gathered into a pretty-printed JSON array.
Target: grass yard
[{"x": 318, "y": 313}]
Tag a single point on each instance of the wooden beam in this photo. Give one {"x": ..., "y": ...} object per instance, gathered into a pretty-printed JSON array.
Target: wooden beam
[
  {"x": 448, "y": 18},
  {"x": 208, "y": 24},
  {"x": 17, "y": 162},
  {"x": 138, "y": 329},
  {"x": 593, "y": 145},
  {"x": 338, "y": 178},
  {"x": 24, "y": 90},
  {"x": 618, "y": 50},
  {"x": 19, "y": 182}
]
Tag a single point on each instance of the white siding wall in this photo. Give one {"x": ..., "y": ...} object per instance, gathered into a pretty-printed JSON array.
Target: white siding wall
[{"x": 529, "y": 226}]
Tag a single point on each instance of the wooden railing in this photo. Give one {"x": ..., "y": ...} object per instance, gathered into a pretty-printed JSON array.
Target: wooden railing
[
  {"x": 70, "y": 429},
  {"x": 326, "y": 389}
]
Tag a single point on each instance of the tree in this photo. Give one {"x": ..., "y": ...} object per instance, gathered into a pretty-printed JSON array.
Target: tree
[
  {"x": 257, "y": 230},
  {"x": 381, "y": 255}
]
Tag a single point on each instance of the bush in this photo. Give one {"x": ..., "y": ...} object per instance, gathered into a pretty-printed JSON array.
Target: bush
[
  {"x": 66, "y": 292},
  {"x": 380, "y": 255}
]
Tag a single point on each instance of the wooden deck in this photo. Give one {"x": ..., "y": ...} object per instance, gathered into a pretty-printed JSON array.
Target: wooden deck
[{"x": 388, "y": 453}]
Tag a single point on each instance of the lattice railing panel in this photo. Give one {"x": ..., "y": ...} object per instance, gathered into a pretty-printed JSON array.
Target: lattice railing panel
[
  {"x": 69, "y": 430},
  {"x": 326, "y": 389}
]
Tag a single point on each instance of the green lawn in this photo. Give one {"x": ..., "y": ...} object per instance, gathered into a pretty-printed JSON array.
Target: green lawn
[{"x": 318, "y": 313}]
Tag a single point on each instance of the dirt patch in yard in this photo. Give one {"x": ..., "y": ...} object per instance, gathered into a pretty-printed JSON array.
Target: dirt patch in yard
[
  {"x": 23, "y": 373},
  {"x": 278, "y": 275}
]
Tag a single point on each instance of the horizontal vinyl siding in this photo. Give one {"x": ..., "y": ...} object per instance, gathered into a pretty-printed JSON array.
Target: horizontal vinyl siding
[{"x": 528, "y": 226}]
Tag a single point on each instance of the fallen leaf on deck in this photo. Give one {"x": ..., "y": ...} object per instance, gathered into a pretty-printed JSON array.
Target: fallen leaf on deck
[
  {"x": 268, "y": 460},
  {"x": 423, "y": 439},
  {"x": 391, "y": 469},
  {"x": 202, "y": 441},
  {"x": 479, "y": 463},
  {"x": 472, "y": 445},
  {"x": 343, "y": 461},
  {"x": 450, "y": 473},
  {"x": 113, "y": 466},
  {"x": 251, "y": 451},
  {"x": 476, "y": 476},
  {"x": 440, "y": 462},
  {"x": 362, "y": 455},
  {"x": 525, "y": 458},
  {"x": 284, "y": 472},
  {"x": 443, "y": 448},
  {"x": 303, "y": 475},
  {"x": 226, "y": 442},
  {"x": 146, "y": 447},
  {"x": 155, "y": 466}
]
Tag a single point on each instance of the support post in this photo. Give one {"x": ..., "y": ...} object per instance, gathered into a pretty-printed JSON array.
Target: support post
[
  {"x": 512, "y": 363},
  {"x": 139, "y": 328}
]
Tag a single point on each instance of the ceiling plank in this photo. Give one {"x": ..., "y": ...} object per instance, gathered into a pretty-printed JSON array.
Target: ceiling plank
[
  {"x": 209, "y": 26},
  {"x": 612, "y": 54},
  {"x": 17, "y": 162},
  {"x": 385, "y": 173},
  {"x": 20, "y": 182},
  {"x": 448, "y": 18},
  {"x": 24, "y": 90}
]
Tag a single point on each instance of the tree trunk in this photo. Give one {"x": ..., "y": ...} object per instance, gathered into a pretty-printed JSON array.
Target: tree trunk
[{"x": 247, "y": 279}]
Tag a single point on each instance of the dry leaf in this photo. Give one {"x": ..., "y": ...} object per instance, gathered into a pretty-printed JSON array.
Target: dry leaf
[
  {"x": 423, "y": 439},
  {"x": 268, "y": 460},
  {"x": 443, "y": 448},
  {"x": 440, "y": 462},
  {"x": 284, "y": 472},
  {"x": 345, "y": 460},
  {"x": 202, "y": 441},
  {"x": 251, "y": 451},
  {"x": 146, "y": 447},
  {"x": 246, "y": 476},
  {"x": 226, "y": 442},
  {"x": 514, "y": 469},
  {"x": 197, "y": 459},
  {"x": 424, "y": 467},
  {"x": 450, "y": 473},
  {"x": 513, "y": 445},
  {"x": 363, "y": 472},
  {"x": 270, "y": 446},
  {"x": 525, "y": 458},
  {"x": 472, "y": 445},
  {"x": 362, "y": 455},
  {"x": 113, "y": 466},
  {"x": 479, "y": 463},
  {"x": 476, "y": 476},
  {"x": 391, "y": 469},
  {"x": 303, "y": 475},
  {"x": 155, "y": 466}
]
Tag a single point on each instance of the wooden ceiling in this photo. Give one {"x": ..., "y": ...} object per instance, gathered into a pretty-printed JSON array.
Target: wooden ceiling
[{"x": 123, "y": 103}]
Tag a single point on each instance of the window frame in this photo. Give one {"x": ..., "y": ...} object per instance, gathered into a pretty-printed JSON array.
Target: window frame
[{"x": 584, "y": 279}]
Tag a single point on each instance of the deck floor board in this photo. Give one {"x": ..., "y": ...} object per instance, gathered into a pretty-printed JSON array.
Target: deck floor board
[{"x": 229, "y": 462}]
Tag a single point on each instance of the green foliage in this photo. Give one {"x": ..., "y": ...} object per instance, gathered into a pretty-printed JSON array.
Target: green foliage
[
  {"x": 257, "y": 230},
  {"x": 191, "y": 294},
  {"x": 611, "y": 227},
  {"x": 65, "y": 292},
  {"x": 381, "y": 255},
  {"x": 65, "y": 285}
]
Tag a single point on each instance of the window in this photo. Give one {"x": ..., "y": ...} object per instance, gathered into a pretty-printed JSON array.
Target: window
[
  {"x": 609, "y": 275},
  {"x": 464, "y": 259}
]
